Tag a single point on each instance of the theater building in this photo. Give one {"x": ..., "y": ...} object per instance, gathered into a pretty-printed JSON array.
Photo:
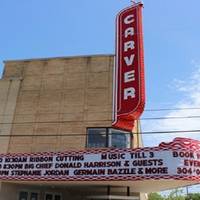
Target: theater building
[
  {"x": 58, "y": 105},
  {"x": 69, "y": 127}
]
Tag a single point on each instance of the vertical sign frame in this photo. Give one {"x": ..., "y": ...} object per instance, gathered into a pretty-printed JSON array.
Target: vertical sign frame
[{"x": 129, "y": 84}]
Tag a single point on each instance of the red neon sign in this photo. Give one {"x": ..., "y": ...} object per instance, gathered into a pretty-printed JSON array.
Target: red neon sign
[{"x": 129, "y": 90}]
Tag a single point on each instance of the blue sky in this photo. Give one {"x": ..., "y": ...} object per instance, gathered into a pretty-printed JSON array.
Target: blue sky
[{"x": 56, "y": 28}]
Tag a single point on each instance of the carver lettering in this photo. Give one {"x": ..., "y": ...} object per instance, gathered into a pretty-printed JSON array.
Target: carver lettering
[{"x": 129, "y": 69}]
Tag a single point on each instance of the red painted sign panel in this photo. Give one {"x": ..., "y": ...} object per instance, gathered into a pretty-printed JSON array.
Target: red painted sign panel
[{"x": 129, "y": 91}]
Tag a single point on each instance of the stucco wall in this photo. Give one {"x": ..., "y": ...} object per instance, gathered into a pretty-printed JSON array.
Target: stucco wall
[
  {"x": 60, "y": 96},
  {"x": 9, "y": 89}
]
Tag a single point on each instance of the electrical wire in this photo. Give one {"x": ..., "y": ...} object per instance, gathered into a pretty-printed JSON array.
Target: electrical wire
[
  {"x": 170, "y": 109},
  {"x": 165, "y": 118},
  {"x": 143, "y": 133},
  {"x": 146, "y": 110},
  {"x": 64, "y": 121},
  {"x": 83, "y": 134}
]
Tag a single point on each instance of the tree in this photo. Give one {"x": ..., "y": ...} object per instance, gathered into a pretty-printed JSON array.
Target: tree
[
  {"x": 194, "y": 196},
  {"x": 155, "y": 196},
  {"x": 175, "y": 195}
]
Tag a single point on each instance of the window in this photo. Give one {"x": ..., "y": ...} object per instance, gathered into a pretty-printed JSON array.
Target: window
[
  {"x": 34, "y": 196},
  {"x": 28, "y": 195},
  {"x": 57, "y": 197},
  {"x": 23, "y": 196},
  {"x": 49, "y": 197},
  {"x": 53, "y": 196},
  {"x": 97, "y": 137},
  {"x": 119, "y": 139},
  {"x": 108, "y": 137}
]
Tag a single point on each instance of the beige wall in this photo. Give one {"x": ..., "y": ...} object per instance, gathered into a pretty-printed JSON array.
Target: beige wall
[
  {"x": 60, "y": 96},
  {"x": 55, "y": 97},
  {"x": 9, "y": 89}
]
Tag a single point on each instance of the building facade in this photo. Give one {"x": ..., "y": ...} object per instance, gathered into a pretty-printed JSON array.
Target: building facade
[{"x": 56, "y": 105}]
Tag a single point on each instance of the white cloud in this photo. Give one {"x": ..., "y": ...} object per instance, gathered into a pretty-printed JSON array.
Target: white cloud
[{"x": 189, "y": 90}]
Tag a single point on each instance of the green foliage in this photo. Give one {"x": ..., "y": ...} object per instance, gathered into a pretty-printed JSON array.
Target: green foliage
[
  {"x": 174, "y": 195},
  {"x": 155, "y": 196},
  {"x": 194, "y": 196}
]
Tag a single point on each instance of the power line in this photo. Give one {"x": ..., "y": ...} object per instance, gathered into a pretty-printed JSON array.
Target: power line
[
  {"x": 146, "y": 110},
  {"x": 64, "y": 121},
  {"x": 84, "y": 134},
  {"x": 170, "y": 109},
  {"x": 163, "y": 118},
  {"x": 168, "y": 132}
]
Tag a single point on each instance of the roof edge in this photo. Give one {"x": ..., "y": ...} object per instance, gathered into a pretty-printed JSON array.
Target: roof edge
[{"x": 61, "y": 57}]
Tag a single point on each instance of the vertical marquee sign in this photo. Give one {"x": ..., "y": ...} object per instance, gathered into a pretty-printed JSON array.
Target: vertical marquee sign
[{"x": 129, "y": 91}]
